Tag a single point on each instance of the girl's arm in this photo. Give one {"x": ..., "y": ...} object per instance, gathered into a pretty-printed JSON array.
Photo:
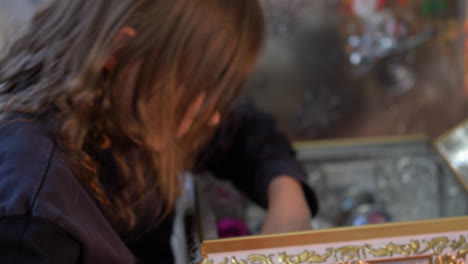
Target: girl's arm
[{"x": 249, "y": 151}]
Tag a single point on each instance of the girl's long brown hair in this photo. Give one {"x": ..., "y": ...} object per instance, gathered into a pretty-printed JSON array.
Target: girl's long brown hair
[{"x": 182, "y": 49}]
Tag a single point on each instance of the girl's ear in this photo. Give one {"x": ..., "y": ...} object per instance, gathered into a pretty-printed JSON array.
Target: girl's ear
[{"x": 125, "y": 34}]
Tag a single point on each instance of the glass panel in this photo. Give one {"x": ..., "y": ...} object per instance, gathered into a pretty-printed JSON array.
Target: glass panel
[
  {"x": 454, "y": 146},
  {"x": 357, "y": 183}
]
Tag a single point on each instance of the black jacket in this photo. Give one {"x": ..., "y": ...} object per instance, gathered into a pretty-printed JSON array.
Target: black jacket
[{"x": 46, "y": 216}]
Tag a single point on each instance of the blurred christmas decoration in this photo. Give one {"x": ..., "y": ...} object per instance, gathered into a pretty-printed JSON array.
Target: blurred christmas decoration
[
  {"x": 282, "y": 16},
  {"x": 381, "y": 30},
  {"x": 434, "y": 7},
  {"x": 334, "y": 66},
  {"x": 232, "y": 227},
  {"x": 286, "y": 17},
  {"x": 360, "y": 207}
]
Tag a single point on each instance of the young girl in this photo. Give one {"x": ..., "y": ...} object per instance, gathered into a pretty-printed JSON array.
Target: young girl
[{"x": 105, "y": 102}]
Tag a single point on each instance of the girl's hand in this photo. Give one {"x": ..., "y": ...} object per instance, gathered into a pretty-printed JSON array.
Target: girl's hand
[{"x": 288, "y": 210}]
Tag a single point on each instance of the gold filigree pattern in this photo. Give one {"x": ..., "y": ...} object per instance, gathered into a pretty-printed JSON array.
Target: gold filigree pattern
[
  {"x": 261, "y": 259},
  {"x": 358, "y": 254},
  {"x": 235, "y": 261},
  {"x": 462, "y": 246},
  {"x": 293, "y": 259},
  {"x": 457, "y": 244},
  {"x": 316, "y": 258},
  {"x": 437, "y": 245}
]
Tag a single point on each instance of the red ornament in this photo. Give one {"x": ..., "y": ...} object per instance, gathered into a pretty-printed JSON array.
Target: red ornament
[
  {"x": 381, "y": 4},
  {"x": 403, "y": 3}
]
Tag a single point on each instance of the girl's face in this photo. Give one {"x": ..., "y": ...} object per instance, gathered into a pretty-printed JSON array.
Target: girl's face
[
  {"x": 126, "y": 93},
  {"x": 192, "y": 111}
]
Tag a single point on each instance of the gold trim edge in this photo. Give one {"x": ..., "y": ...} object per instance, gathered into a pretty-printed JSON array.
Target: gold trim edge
[
  {"x": 335, "y": 235},
  {"x": 353, "y": 254}
]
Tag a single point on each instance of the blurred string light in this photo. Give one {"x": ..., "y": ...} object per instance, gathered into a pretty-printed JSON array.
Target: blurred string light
[{"x": 282, "y": 15}]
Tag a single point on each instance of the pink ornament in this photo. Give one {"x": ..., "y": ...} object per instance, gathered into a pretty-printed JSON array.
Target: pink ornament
[{"x": 232, "y": 227}]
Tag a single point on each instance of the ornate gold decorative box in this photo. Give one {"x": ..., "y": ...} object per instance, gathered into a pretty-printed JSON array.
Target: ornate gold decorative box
[
  {"x": 424, "y": 242},
  {"x": 417, "y": 189}
]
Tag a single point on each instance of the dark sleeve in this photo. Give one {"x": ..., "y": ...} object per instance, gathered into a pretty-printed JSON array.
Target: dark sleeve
[
  {"x": 34, "y": 240},
  {"x": 154, "y": 246},
  {"x": 249, "y": 151}
]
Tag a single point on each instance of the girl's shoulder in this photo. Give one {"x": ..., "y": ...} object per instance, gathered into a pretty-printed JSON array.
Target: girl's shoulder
[
  {"x": 25, "y": 154},
  {"x": 33, "y": 174},
  {"x": 36, "y": 182}
]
